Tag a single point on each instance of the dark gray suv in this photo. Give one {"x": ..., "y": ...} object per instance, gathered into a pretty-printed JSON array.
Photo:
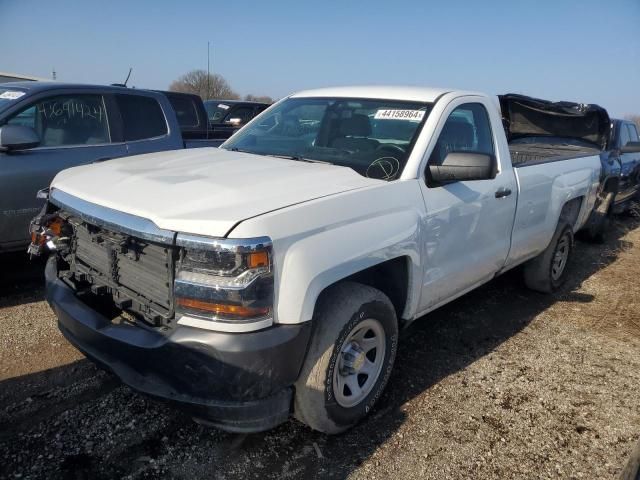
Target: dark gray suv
[{"x": 46, "y": 127}]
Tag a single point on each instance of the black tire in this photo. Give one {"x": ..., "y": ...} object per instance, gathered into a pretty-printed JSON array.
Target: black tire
[
  {"x": 600, "y": 220},
  {"x": 539, "y": 272},
  {"x": 340, "y": 310}
]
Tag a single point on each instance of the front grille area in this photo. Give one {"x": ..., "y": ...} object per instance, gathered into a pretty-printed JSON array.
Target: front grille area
[{"x": 136, "y": 274}]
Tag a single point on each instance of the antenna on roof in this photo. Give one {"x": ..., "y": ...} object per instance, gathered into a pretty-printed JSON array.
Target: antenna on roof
[
  {"x": 128, "y": 75},
  {"x": 126, "y": 80}
]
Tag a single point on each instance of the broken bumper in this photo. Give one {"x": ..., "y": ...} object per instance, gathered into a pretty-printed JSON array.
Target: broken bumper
[{"x": 239, "y": 382}]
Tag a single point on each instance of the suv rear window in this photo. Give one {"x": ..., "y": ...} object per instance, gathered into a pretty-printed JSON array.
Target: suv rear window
[
  {"x": 185, "y": 110},
  {"x": 142, "y": 117}
]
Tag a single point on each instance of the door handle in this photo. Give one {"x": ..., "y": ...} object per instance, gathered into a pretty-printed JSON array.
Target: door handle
[
  {"x": 503, "y": 192},
  {"x": 103, "y": 159}
]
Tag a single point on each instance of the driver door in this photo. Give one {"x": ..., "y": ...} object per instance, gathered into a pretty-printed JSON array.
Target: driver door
[{"x": 468, "y": 223}]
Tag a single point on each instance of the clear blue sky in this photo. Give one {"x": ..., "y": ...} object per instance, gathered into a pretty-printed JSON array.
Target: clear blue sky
[{"x": 581, "y": 50}]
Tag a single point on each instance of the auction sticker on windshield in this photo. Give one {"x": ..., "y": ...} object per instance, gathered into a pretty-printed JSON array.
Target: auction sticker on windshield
[
  {"x": 11, "y": 94},
  {"x": 411, "y": 115}
]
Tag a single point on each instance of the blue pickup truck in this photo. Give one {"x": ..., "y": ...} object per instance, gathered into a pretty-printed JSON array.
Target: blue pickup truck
[
  {"x": 46, "y": 127},
  {"x": 624, "y": 148},
  {"x": 619, "y": 177}
]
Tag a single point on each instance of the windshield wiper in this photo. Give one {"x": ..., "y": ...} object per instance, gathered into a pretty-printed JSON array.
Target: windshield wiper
[
  {"x": 236, "y": 149},
  {"x": 297, "y": 158}
]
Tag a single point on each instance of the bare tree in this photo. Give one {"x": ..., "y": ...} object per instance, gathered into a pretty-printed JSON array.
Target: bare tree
[
  {"x": 256, "y": 98},
  {"x": 634, "y": 118},
  {"x": 196, "y": 81}
]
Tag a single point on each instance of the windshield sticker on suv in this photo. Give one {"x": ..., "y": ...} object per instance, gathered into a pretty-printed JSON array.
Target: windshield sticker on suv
[
  {"x": 411, "y": 115},
  {"x": 11, "y": 95},
  {"x": 223, "y": 106}
]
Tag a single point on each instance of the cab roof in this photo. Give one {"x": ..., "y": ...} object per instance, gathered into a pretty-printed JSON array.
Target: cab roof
[
  {"x": 383, "y": 92},
  {"x": 37, "y": 86}
]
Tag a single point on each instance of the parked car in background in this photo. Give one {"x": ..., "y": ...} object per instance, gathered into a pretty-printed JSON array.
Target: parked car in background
[
  {"x": 619, "y": 180},
  {"x": 46, "y": 127},
  {"x": 624, "y": 148},
  {"x": 271, "y": 276},
  {"x": 228, "y": 116}
]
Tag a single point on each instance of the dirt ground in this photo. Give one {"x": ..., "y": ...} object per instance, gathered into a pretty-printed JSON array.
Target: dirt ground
[{"x": 503, "y": 383}]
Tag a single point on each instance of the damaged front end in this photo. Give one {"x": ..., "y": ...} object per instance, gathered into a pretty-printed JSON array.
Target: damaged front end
[
  {"x": 49, "y": 230},
  {"x": 123, "y": 276},
  {"x": 112, "y": 288}
]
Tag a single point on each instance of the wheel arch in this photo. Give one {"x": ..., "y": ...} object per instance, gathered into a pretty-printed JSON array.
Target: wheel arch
[
  {"x": 570, "y": 211},
  {"x": 391, "y": 277}
]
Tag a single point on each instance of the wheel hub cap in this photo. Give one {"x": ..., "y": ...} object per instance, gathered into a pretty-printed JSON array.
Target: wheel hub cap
[
  {"x": 560, "y": 258},
  {"x": 353, "y": 358},
  {"x": 360, "y": 362}
]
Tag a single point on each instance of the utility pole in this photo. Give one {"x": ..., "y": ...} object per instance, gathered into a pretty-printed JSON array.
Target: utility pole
[{"x": 208, "y": 74}]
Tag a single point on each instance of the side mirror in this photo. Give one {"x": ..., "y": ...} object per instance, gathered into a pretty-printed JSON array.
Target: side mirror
[
  {"x": 631, "y": 147},
  {"x": 463, "y": 166},
  {"x": 18, "y": 137}
]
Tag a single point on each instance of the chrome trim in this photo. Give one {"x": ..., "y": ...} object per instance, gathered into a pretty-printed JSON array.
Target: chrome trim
[
  {"x": 111, "y": 219},
  {"x": 239, "y": 245},
  {"x": 43, "y": 194}
]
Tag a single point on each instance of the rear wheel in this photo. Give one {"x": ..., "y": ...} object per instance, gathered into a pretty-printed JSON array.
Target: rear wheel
[
  {"x": 548, "y": 271},
  {"x": 350, "y": 357}
]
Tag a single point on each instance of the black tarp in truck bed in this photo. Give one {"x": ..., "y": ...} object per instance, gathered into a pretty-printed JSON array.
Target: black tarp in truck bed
[{"x": 536, "y": 128}]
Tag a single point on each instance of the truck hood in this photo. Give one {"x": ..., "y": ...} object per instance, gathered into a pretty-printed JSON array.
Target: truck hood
[
  {"x": 204, "y": 191},
  {"x": 531, "y": 117}
]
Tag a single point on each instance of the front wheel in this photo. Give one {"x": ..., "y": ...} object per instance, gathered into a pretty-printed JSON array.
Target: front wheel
[
  {"x": 548, "y": 271},
  {"x": 350, "y": 357}
]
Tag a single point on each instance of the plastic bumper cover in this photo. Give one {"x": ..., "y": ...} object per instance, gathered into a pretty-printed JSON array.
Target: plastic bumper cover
[{"x": 239, "y": 382}]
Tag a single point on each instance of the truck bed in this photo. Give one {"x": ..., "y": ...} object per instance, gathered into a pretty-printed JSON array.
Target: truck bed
[{"x": 523, "y": 154}]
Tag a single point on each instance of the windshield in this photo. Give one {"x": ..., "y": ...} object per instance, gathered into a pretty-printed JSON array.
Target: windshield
[
  {"x": 373, "y": 137},
  {"x": 216, "y": 110},
  {"x": 9, "y": 96}
]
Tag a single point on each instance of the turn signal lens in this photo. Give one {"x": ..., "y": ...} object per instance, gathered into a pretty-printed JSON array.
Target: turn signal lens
[
  {"x": 37, "y": 239},
  {"x": 55, "y": 226},
  {"x": 223, "y": 309},
  {"x": 258, "y": 259}
]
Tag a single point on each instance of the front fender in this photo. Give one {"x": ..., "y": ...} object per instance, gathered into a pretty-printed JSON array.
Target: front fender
[
  {"x": 316, "y": 262},
  {"x": 321, "y": 242}
]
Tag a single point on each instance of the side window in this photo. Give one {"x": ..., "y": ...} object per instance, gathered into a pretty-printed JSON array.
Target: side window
[
  {"x": 67, "y": 120},
  {"x": 185, "y": 110},
  {"x": 243, "y": 113},
  {"x": 142, "y": 117},
  {"x": 633, "y": 132},
  {"x": 260, "y": 109},
  {"x": 624, "y": 135},
  {"x": 467, "y": 129}
]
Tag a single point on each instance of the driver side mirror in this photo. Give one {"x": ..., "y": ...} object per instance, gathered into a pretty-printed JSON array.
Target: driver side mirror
[
  {"x": 18, "y": 137},
  {"x": 631, "y": 147},
  {"x": 463, "y": 166}
]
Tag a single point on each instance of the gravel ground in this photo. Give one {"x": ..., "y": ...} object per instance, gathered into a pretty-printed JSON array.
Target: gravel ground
[{"x": 503, "y": 383}]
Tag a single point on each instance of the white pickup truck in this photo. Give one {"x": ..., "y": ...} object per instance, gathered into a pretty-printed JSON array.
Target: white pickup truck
[{"x": 270, "y": 277}]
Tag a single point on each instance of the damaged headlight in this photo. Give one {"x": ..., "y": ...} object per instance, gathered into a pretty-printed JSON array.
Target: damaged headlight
[
  {"x": 48, "y": 230},
  {"x": 227, "y": 283}
]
